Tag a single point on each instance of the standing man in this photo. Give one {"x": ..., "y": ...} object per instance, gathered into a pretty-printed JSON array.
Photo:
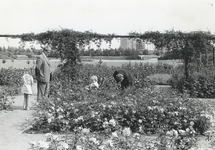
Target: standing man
[{"x": 43, "y": 75}]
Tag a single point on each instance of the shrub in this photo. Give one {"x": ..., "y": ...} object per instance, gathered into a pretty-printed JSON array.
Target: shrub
[
  {"x": 199, "y": 84},
  {"x": 10, "y": 82},
  {"x": 140, "y": 108},
  {"x": 161, "y": 79}
]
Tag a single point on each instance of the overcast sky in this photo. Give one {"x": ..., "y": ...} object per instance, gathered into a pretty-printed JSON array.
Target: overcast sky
[{"x": 105, "y": 16}]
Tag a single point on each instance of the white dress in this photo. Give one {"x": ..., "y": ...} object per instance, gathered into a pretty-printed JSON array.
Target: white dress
[{"x": 28, "y": 82}]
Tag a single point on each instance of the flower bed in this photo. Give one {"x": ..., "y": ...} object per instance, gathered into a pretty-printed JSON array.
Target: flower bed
[
  {"x": 139, "y": 110},
  {"x": 10, "y": 84}
]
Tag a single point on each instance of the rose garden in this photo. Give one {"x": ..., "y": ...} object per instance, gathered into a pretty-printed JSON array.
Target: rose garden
[{"x": 109, "y": 118}]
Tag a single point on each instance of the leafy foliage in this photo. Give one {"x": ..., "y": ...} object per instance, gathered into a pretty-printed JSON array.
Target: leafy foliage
[
  {"x": 200, "y": 84},
  {"x": 10, "y": 84},
  {"x": 66, "y": 42},
  {"x": 139, "y": 109},
  {"x": 11, "y": 80}
]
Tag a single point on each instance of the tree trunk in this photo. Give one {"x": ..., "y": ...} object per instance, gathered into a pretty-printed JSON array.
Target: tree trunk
[
  {"x": 213, "y": 56},
  {"x": 186, "y": 67},
  {"x": 206, "y": 54}
]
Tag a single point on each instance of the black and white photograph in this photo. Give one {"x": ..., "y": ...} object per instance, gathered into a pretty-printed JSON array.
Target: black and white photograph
[{"x": 107, "y": 74}]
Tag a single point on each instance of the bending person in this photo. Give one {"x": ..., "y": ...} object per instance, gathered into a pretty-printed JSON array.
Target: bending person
[{"x": 123, "y": 77}]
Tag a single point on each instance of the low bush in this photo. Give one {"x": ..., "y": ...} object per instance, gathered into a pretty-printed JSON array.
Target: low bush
[
  {"x": 140, "y": 108},
  {"x": 11, "y": 77},
  {"x": 10, "y": 84},
  {"x": 144, "y": 110},
  {"x": 200, "y": 83},
  {"x": 82, "y": 138},
  {"x": 160, "y": 79}
]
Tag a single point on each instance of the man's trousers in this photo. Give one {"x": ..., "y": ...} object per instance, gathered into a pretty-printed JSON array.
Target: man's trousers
[{"x": 42, "y": 90}]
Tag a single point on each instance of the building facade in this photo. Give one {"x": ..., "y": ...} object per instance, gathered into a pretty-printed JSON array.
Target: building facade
[{"x": 136, "y": 44}]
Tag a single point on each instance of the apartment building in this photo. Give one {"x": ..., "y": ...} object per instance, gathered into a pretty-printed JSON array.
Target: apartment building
[{"x": 137, "y": 44}]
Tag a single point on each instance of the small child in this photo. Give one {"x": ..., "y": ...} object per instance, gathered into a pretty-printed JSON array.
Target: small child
[
  {"x": 93, "y": 83},
  {"x": 26, "y": 88}
]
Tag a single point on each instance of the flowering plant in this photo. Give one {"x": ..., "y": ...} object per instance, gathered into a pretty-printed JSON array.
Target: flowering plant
[{"x": 138, "y": 109}]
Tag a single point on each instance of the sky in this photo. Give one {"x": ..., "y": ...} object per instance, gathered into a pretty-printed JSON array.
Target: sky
[{"x": 104, "y": 16}]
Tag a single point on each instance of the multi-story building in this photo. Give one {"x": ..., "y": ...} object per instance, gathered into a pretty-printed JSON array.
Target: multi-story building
[
  {"x": 136, "y": 44},
  {"x": 126, "y": 43}
]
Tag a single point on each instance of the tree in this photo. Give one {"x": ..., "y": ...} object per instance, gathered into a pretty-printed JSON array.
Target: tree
[
  {"x": 190, "y": 45},
  {"x": 12, "y": 59}
]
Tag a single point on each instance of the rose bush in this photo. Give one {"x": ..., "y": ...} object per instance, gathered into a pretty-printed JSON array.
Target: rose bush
[
  {"x": 199, "y": 84},
  {"x": 10, "y": 84},
  {"x": 139, "y": 109}
]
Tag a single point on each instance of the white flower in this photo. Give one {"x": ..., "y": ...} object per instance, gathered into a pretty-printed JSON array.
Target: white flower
[
  {"x": 43, "y": 144},
  {"x": 169, "y": 133},
  {"x": 191, "y": 123},
  {"x": 126, "y": 131},
  {"x": 76, "y": 120},
  {"x": 104, "y": 106},
  {"x": 140, "y": 120},
  {"x": 60, "y": 116},
  {"x": 76, "y": 110},
  {"x": 64, "y": 145},
  {"x": 188, "y": 130},
  {"x": 185, "y": 120},
  {"x": 182, "y": 108},
  {"x": 94, "y": 140},
  {"x": 112, "y": 122},
  {"x": 126, "y": 98},
  {"x": 102, "y": 147},
  {"x": 136, "y": 135},
  {"x": 110, "y": 106},
  {"x": 150, "y": 108},
  {"x": 113, "y": 103},
  {"x": 49, "y": 115},
  {"x": 109, "y": 142},
  {"x": 79, "y": 147},
  {"x": 80, "y": 118},
  {"x": 176, "y": 113},
  {"x": 105, "y": 124},
  {"x": 85, "y": 130},
  {"x": 175, "y": 133},
  {"x": 182, "y": 132},
  {"x": 161, "y": 110},
  {"x": 114, "y": 134},
  {"x": 55, "y": 137}
]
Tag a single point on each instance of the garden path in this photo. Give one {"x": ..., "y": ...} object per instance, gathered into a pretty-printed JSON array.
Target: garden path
[{"x": 12, "y": 125}]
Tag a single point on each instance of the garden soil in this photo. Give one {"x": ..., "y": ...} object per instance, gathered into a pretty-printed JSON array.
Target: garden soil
[{"x": 13, "y": 123}]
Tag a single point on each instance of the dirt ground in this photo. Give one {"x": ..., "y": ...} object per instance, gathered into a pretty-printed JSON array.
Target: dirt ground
[{"x": 11, "y": 127}]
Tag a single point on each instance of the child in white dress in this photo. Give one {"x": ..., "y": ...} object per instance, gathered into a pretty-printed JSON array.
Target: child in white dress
[
  {"x": 27, "y": 88},
  {"x": 93, "y": 83}
]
